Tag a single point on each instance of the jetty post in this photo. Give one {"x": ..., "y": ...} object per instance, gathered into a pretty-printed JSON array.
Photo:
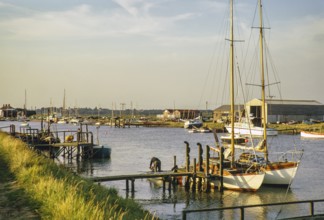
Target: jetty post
[
  {"x": 207, "y": 169},
  {"x": 187, "y": 184},
  {"x": 221, "y": 169},
  {"x": 194, "y": 175},
  {"x": 200, "y": 164}
]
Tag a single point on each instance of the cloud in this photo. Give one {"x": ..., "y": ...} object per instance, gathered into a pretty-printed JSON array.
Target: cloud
[{"x": 84, "y": 21}]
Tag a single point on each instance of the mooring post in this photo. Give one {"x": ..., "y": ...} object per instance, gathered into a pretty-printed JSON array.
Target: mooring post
[
  {"x": 194, "y": 175},
  {"x": 133, "y": 185},
  {"x": 207, "y": 169},
  {"x": 127, "y": 185},
  {"x": 163, "y": 180},
  {"x": 200, "y": 157},
  {"x": 187, "y": 184},
  {"x": 187, "y": 156},
  {"x": 221, "y": 169}
]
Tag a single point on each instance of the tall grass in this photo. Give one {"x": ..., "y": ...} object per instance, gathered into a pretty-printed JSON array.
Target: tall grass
[{"x": 60, "y": 193}]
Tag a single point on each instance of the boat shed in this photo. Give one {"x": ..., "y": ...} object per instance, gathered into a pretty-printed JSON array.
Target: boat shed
[{"x": 286, "y": 110}]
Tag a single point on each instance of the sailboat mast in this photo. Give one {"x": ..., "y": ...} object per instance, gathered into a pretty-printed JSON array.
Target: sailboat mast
[
  {"x": 232, "y": 82},
  {"x": 63, "y": 109},
  {"x": 264, "y": 118}
]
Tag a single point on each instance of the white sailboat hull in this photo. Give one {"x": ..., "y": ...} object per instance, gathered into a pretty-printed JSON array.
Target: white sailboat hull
[
  {"x": 242, "y": 181},
  {"x": 280, "y": 173},
  {"x": 305, "y": 134},
  {"x": 255, "y": 131}
]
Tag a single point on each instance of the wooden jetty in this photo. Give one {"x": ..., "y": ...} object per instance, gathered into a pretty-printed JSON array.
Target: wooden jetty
[
  {"x": 195, "y": 177},
  {"x": 71, "y": 144}
]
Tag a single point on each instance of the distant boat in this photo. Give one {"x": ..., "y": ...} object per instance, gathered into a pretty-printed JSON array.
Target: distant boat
[
  {"x": 308, "y": 134},
  {"x": 248, "y": 128},
  {"x": 200, "y": 130},
  {"x": 193, "y": 123},
  {"x": 61, "y": 121},
  {"x": 238, "y": 139},
  {"x": 74, "y": 121}
]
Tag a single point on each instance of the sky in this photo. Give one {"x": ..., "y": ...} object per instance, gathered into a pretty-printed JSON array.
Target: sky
[{"x": 150, "y": 54}]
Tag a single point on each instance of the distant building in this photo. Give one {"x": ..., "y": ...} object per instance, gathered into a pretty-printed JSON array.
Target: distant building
[
  {"x": 222, "y": 113},
  {"x": 286, "y": 110},
  {"x": 276, "y": 110},
  {"x": 8, "y": 112}
]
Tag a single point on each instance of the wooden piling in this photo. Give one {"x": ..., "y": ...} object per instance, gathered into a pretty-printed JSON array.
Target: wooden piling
[
  {"x": 194, "y": 175},
  {"x": 207, "y": 182},
  {"x": 221, "y": 169},
  {"x": 200, "y": 157},
  {"x": 187, "y": 184}
]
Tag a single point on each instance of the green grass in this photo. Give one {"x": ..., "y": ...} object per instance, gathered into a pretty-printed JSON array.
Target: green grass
[{"x": 58, "y": 193}]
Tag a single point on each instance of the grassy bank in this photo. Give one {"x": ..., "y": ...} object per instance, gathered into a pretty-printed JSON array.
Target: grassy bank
[{"x": 52, "y": 192}]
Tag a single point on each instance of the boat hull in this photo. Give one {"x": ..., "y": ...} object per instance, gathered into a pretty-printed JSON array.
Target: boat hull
[
  {"x": 254, "y": 131},
  {"x": 242, "y": 181},
  {"x": 100, "y": 151},
  {"x": 280, "y": 173},
  {"x": 305, "y": 134}
]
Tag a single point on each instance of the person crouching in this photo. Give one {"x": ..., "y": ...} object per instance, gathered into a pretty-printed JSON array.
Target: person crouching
[{"x": 155, "y": 164}]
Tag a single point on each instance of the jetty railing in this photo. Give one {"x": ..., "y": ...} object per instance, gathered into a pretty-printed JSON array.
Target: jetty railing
[{"x": 242, "y": 208}]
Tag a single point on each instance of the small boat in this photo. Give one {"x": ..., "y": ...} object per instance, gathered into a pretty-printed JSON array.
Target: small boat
[
  {"x": 248, "y": 128},
  {"x": 309, "y": 134},
  {"x": 238, "y": 139},
  {"x": 101, "y": 151},
  {"x": 196, "y": 122},
  {"x": 200, "y": 130},
  {"x": 61, "y": 121}
]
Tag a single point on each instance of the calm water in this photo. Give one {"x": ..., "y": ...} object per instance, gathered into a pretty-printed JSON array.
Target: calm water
[{"x": 132, "y": 149}]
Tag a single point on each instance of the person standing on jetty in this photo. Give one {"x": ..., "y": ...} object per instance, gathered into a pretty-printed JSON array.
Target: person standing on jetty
[{"x": 155, "y": 164}]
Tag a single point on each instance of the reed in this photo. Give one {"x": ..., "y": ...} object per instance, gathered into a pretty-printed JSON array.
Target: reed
[{"x": 59, "y": 193}]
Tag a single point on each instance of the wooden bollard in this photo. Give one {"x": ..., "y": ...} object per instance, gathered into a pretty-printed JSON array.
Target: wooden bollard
[
  {"x": 221, "y": 169},
  {"x": 194, "y": 175},
  {"x": 163, "y": 184},
  {"x": 127, "y": 185},
  {"x": 187, "y": 184},
  {"x": 207, "y": 169},
  {"x": 133, "y": 185},
  {"x": 200, "y": 157}
]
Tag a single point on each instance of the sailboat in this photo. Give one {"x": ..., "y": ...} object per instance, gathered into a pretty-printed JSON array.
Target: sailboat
[
  {"x": 236, "y": 177},
  {"x": 276, "y": 172}
]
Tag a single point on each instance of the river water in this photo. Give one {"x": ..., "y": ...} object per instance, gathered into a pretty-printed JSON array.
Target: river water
[{"x": 132, "y": 149}]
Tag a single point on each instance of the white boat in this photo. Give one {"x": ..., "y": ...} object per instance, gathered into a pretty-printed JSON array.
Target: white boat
[
  {"x": 248, "y": 128},
  {"x": 243, "y": 181},
  {"x": 309, "y": 134},
  {"x": 200, "y": 130},
  {"x": 74, "y": 121},
  {"x": 193, "y": 123},
  {"x": 61, "y": 121}
]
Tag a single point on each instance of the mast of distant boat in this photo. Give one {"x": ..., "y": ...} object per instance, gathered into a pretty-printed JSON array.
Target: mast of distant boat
[{"x": 264, "y": 118}]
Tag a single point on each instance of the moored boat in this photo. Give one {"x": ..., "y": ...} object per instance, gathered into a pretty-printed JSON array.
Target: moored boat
[
  {"x": 193, "y": 123},
  {"x": 309, "y": 134}
]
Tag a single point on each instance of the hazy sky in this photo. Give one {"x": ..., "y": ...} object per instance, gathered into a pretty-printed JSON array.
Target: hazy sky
[{"x": 151, "y": 53}]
